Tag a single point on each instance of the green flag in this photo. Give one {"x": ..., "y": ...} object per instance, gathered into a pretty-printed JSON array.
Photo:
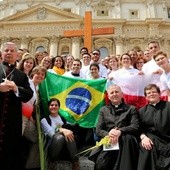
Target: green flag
[{"x": 80, "y": 99}]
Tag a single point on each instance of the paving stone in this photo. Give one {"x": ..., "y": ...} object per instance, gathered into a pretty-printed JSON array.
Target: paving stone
[{"x": 85, "y": 164}]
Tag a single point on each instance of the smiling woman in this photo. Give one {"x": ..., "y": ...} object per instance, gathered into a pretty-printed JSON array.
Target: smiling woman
[
  {"x": 94, "y": 71},
  {"x": 58, "y": 135},
  {"x": 29, "y": 124},
  {"x": 58, "y": 65}
]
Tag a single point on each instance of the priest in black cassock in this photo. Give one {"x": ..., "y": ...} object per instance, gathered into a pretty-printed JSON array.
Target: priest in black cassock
[
  {"x": 14, "y": 89},
  {"x": 120, "y": 122},
  {"x": 154, "y": 151}
]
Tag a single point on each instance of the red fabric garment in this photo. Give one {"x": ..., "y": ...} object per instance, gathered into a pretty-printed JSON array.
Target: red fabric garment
[{"x": 27, "y": 110}]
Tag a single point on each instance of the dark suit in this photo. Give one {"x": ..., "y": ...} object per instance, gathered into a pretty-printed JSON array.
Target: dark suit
[
  {"x": 125, "y": 118},
  {"x": 155, "y": 125},
  {"x": 11, "y": 118}
]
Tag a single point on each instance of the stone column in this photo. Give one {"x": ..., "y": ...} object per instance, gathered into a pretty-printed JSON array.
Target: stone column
[
  {"x": 116, "y": 7},
  {"x": 76, "y": 47},
  {"x": 77, "y": 7},
  {"x": 118, "y": 39},
  {"x": 13, "y": 9},
  {"x": 2, "y": 11},
  {"x": 54, "y": 46},
  {"x": 151, "y": 8},
  {"x": 24, "y": 42},
  {"x": 119, "y": 45},
  {"x": 4, "y": 40},
  {"x": 88, "y": 5},
  {"x": 153, "y": 30}
]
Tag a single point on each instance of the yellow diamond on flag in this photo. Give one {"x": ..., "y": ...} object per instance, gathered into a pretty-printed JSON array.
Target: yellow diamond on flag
[{"x": 79, "y": 99}]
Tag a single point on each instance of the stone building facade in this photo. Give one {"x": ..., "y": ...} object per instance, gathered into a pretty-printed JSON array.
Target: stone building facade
[{"x": 39, "y": 24}]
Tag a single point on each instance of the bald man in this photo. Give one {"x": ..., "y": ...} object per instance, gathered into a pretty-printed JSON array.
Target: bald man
[{"x": 120, "y": 122}]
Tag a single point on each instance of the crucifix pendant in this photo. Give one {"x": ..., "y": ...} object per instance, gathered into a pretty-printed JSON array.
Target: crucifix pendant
[
  {"x": 7, "y": 76},
  {"x": 4, "y": 79}
]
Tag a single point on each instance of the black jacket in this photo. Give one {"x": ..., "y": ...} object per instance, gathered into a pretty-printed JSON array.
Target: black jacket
[
  {"x": 125, "y": 117},
  {"x": 11, "y": 118}
]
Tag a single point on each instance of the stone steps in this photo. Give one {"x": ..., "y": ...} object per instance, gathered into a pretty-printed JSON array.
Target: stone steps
[{"x": 85, "y": 164}]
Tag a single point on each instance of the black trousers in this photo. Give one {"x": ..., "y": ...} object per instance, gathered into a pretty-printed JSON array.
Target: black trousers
[
  {"x": 59, "y": 143},
  {"x": 124, "y": 158}
]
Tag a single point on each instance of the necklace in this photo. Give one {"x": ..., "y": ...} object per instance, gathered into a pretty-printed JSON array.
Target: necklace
[{"x": 7, "y": 76}]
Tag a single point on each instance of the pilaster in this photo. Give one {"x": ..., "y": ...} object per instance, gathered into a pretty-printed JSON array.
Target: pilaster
[
  {"x": 76, "y": 47},
  {"x": 24, "y": 42},
  {"x": 4, "y": 40},
  {"x": 54, "y": 46},
  {"x": 151, "y": 8},
  {"x": 119, "y": 44}
]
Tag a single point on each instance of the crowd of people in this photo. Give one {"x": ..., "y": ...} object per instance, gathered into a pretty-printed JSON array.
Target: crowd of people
[{"x": 143, "y": 134}]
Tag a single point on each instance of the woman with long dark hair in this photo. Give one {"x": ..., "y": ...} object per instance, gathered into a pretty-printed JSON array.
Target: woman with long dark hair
[{"x": 59, "y": 137}]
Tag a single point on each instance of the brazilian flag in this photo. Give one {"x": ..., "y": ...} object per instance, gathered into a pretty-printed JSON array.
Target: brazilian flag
[{"x": 80, "y": 99}]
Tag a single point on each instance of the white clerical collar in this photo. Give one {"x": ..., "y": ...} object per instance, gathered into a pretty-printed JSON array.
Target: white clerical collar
[
  {"x": 154, "y": 104},
  {"x": 116, "y": 105}
]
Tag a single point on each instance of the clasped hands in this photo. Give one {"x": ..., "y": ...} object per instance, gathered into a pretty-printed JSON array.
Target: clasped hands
[
  {"x": 114, "y": 135},
  {"x": 8, "y": 85}
]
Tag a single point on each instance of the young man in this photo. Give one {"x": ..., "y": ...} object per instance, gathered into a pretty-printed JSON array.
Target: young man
[
  {"x": 154, "y": 151},
  {"x": 82, "y": 51},
  {"x": 95, "y": 59},
  {"x": 161, "y": 60},
  {"x": 86, "y": 58},
  {"x": 151, "y": 67},
  {"x": 75, "y": 69}
]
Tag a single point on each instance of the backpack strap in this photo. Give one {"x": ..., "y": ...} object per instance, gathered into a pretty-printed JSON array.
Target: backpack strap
[{"x": 48, "y": 120}]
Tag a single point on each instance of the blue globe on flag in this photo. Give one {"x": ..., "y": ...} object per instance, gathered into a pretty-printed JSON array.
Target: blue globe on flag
[{"x": 78, "y": 100}]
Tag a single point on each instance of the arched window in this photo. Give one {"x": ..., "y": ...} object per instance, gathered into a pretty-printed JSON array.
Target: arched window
[
  {"x": 103, "y": 52},
  {"x": 65, "y": 50},
  {"x": 40, "y": 48}
]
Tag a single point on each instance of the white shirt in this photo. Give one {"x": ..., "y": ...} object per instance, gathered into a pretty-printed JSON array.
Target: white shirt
[
  {"x": 68, "y": 74},
  {"x": 165, "y": 79},
  {"x": 121, "y": 74},
  {"x": 55, "y": 122},
  {"x": 84, "y": 71},
  {"x": 150, "y": 67},
  {"x": 102, "y": 72},
  {"x": 124, "y": 71}
]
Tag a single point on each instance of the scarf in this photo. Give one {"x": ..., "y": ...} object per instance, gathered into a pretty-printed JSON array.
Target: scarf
[{"x": 59, "y": 71}]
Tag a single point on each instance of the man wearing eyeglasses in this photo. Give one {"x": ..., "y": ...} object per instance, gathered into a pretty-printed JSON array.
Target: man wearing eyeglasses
[
  {"x": 154, "y": 150},
  {"x": 95, "y": 59}
]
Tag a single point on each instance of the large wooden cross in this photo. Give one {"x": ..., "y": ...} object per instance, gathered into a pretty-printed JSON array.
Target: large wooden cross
[{"x": 88, "y": 31}]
